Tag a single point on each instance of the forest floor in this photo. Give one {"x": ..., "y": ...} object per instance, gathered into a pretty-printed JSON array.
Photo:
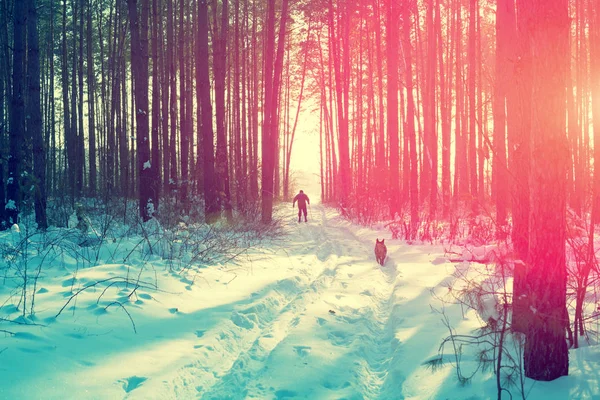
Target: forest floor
[{"x": 311, "y": 317}]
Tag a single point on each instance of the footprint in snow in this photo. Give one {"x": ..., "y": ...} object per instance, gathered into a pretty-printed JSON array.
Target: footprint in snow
[
  {"x": 27, "y": 336},
  {"x": 285, "y": 394},
  {"x": 69, "y": 282},
  {"x": 329, "y": 384},
  {"x": 132, "y": 383},
  {"x": 302, "y": 351}
]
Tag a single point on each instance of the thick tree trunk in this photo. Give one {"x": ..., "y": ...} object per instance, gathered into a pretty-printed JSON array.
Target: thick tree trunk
[
  {"x": 519, "y": 134},
  {"x": 546, "y": 354},
  {"x": 211, "y": 203},
  {"x": 595, "y": 66},
  {"x": 3, "y": 123}
]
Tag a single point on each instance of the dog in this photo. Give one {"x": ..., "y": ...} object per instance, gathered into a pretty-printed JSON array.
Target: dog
[{"x": 380, "y": 251}]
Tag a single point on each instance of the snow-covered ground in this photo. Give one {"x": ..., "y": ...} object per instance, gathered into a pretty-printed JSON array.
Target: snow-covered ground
[{"x": 310, "y": 317}]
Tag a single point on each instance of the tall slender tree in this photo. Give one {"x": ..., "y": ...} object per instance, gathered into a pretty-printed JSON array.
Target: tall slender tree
[
  {"x": 211, "y": 205},
  {"x": 17, "y": 116},
  {"x": 500, "y": 176},
  {"x": 220, "y": 73},
  {"x": 34, "y": 115},
  {"x": 392, "y": 34},
  {"x": 139, "y": 63},
  {"x": 91, "y": 85}
]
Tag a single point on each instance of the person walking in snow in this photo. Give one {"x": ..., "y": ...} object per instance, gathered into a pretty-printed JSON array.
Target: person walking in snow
[{"x": 302, "y": 200}]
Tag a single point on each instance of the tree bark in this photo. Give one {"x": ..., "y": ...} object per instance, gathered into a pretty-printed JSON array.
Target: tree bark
[
  {"x": 546, "y": 354},
  {"x": 156, "y": 71},
  {"x": 91, "y": 84},
  {"x": 392, "y": 32},
  {"x": 502, "y": 80},
  {"x": 34, "y": 116},
  {"x": 139, "y": 63},
  {"x": 17, "y": 117},
  {"x": 211, "y": 204},
  {"x": 220, "y": 72}
]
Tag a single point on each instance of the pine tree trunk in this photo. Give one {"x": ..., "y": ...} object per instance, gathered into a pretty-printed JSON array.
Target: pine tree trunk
[
  {"x": 164, "y": 95},
  {"x": 546, "y": 354},
  {"x": 254, "y": 114},
  {"x": 461, "y": 169},
  {"x": 184, "y": 139},
  {"x": 34, "y": 114},
  {"x": 595, "y": 66},
  {"x": 3, "y": 124},
  {"x": 91, "y": 84},
  {"x": 499, "y": 169},
  {"x": 80, "y": 135},
  {"x": 69, "y": 145},
  {"x": 472, "y": 72},
  {"x": 220, "y": 72},
  {"x": 139, "y": 63},
  {"x": 380, "y": 161},
  {"x": 268, "y": 156},
  {"x": 445, "y": 114},
  {"x": 430, "y": 158},
  {"x": 172, "y": 182},
  {"x": 17, "y": 117},
  {"x": 156, "y": 71},
  {"x": 211, "y": 204},
  {"x": 76, "y": 161},
  {"x": 519, "y": 134},
  {"x": 392, "y": 33},
  {"x": 410, "y": 121}
]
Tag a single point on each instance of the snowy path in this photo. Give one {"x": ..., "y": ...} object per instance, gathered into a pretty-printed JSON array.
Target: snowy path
[
  {"x": 314, "y": 317},
  {"x": 284, "y": 342}
]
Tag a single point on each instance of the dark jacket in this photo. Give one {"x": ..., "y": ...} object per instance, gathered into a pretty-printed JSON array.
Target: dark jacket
[{"x": 302, "y": 199}]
